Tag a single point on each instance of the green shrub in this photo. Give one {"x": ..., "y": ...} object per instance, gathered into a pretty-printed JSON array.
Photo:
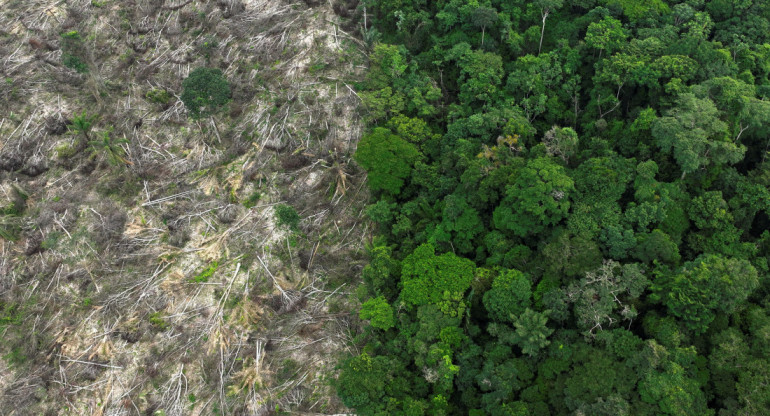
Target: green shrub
[
  {"x": 73, "y": 51},
  {"x": 252, "y": 199},
  {"x": 317, "y": 67},
  {"x": 157, "y": 321},
  {"x": 12, "y": 210},
  {"x": 10, "y": 315},
  {"x": 287, "y": 217},
  {"x": 207, "y": 46},
  {"x": 51, "y": 240},
  {"x": 16, "y": 357},
  {"x": 9, "y": 232},
  {"x": 378, "y": 312},
  {"x": 73, "y": 62},
  {"x": 205, "y": 92},
  {"x": 158, "y": 96},
  {"x": 65, "y": 151}
]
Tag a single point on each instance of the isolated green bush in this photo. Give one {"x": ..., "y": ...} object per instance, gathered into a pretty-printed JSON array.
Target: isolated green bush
[
  {"x": 205, "y": 92},
  {"x": 287, "y": 216},
  {"x": 73, "y": 51},
  {"x": 158, "y": 96}
]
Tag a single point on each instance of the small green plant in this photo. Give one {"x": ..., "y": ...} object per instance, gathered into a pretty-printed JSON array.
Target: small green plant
[
  {"x": 16, "y": 357},
  {"x": 9, "y": 231},
  {"x": 157, "y": 321},
  {"x": 12, "y": 210},
  {"x": 111, "y": 147},
  {"x": 204, "y": 276},
  {"x": 252, "y": 199},
  {"x": 73, "y": 51},
  {"x": 51, "y": 240},
  {"x": 10, "y": 315},
  {"x": 287, "y": 216},
  {"x": 288, "y": 368},
  {"x": 121, "y": 187},
  {"x": 316, "y": 67},
  {"x": 233, "y": 301},
  {"x": 158, "y": 96},
  {"x": 208, "y": 45},
  {"x": 65, "y": 151},
  {"x": 10, "y": 215},
  {"x": 82, "y": 124},
  {"x": 73, "y": 62}
]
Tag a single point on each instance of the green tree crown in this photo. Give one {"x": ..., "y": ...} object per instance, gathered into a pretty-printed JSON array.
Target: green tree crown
[{"x": 205, "y": 92}]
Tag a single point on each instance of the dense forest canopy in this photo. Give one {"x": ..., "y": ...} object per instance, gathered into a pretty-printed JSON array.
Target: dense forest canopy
[{"x": 573, "y": 209}]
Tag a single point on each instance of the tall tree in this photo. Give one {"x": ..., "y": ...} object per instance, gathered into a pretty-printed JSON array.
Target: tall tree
[
  {"x": 693, "y": 133},
  {"x": 483, "y": 17},
  {"x": 428, "y": 278},
  {"x": 704, "y": 287},
  {"x": 537, "y": 198},
  {"x": 205, "y": 93},
  {"x": 387, "y": 158},
  {"x": 546, "y": 8}
]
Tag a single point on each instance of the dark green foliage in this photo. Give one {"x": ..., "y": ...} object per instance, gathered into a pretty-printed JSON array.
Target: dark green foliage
[
  {"x": 363, "y": 383},
  {"x": 537, "y": 198},
  {"x": 693, "y": 133},
  {"x": 508, "y": 297},
  {"x": 461, "y": 224},
  {"x": 606, "y": 35},
  {"x": 286, "y": 216},
  {"x": 82, "y": 124},
  {"x": 110, "y": 148},
  {"x": 252, "y": 199},
  {"x": 656, "y": 246},
  {"x": 158, "y": 96},
  {"x": 382, "y": 273},
  {"x": 572, "y": 205},
  {"x": 480, "y": 73},
  {"x": 704, "y": 287},
  {"x": 11, "y": 314},
  {"x": 73, "y": 51},
  {"x": 531, "y": 333},
  {"x": 205, "y": 92}
]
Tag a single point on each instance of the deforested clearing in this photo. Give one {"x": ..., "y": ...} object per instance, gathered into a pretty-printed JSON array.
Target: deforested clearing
[{"x": 153, "y": 263}]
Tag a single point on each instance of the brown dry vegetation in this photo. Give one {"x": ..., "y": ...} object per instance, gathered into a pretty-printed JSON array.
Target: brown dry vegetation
[{"x": 162, "y": 284}]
